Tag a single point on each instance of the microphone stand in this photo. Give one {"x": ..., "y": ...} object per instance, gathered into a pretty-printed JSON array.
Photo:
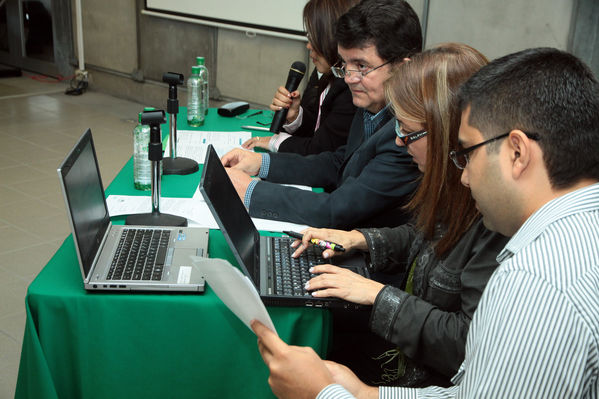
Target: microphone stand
[
  {"x": 175, "y": 165},
  {"x": 155, "y": 218}
]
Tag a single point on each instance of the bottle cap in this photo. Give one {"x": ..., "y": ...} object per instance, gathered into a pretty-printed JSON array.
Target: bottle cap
[
  {"x": 195, "y": 70},
  {"x": 145, "y": 109},
  {"x": 200, "y": 60}
]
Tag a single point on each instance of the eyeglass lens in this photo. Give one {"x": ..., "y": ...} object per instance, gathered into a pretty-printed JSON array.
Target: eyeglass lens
[
  {"x": 410, "y": 137},
  {"x": 342, "y": 71},
  {"x": 460, "y": 160}
]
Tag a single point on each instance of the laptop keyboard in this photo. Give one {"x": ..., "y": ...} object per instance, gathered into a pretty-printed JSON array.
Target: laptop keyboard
[
  {"x": 140, "y": 255},
  {"x": 291, "y": 274}
]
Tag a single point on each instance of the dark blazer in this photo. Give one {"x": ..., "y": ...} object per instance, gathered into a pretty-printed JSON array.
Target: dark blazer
[
  {"x": 336, "y": 116},
  {"x": 311, "y": 96},
  {"x": 366, "y": 182}
]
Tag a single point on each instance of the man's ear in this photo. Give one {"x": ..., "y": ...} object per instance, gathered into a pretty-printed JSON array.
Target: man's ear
[{"x": 520, "y": 152}]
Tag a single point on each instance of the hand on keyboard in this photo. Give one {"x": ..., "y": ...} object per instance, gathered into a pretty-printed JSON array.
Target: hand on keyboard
[{"x": 339, "y": 282}]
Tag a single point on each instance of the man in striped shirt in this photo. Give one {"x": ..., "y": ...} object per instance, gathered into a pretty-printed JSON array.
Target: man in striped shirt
[{"x": 535, "y": 333}]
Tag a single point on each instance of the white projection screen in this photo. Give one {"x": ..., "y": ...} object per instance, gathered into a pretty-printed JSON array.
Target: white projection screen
[{"x": 284, "y": 16}]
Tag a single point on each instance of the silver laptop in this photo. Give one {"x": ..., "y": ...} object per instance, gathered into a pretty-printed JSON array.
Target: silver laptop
[
  {"x": 265, "y": 260},
  {"x": 124, "y": 258}
]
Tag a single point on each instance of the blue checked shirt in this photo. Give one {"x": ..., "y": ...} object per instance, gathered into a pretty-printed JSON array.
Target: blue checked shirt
[
  {"x": 535, "y": 333},
  {"x": 264, "y": 168}
]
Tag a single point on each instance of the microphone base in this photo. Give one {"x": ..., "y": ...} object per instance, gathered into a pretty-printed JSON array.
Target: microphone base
[
  {"x": 156, "y": 219},
  {"x": 179, "y": 166}
]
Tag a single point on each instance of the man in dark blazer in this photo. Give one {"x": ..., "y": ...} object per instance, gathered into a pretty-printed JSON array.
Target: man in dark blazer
[{"x": 367, "y": 181}]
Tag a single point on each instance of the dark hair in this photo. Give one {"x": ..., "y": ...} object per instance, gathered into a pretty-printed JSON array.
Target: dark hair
[
  {"x": 544, "y": 91},
  {"x": 320, "y": 19},
  {"x": 391, "y": 26},
  {"x": 423, "y": 91}
]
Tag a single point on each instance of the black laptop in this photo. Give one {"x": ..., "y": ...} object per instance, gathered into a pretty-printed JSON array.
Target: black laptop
[{"x": 267, "y": 261}]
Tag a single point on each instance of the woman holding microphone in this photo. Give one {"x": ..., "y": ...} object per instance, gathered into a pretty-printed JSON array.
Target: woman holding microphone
[{"x": 320, "y": 119}]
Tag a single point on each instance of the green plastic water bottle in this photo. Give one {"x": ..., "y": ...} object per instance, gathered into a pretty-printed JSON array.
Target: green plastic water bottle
[
  {"x": 205, "y": 83},
  {"x": 142, "y": 166},
  {"x": 195, "y": 110}
]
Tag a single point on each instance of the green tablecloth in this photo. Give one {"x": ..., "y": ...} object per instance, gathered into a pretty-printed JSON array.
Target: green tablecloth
[{"x": 99, "y": 345}]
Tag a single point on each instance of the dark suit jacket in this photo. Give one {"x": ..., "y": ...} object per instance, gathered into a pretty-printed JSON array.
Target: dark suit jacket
[
  {"x": 336, "y": 116},
  {"x": 366, "y": 182}
]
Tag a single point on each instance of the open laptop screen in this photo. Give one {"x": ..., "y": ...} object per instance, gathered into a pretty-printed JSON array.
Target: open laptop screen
[
  {"x": 230, "y": 213},
  {"x": 84, "y": 194}
]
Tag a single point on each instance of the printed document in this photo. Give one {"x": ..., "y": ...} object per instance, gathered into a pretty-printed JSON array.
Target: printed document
[{"x": 194, "y": 143}]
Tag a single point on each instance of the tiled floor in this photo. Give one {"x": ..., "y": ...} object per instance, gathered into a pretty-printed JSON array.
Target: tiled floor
[{"x": 38, "y": 125}]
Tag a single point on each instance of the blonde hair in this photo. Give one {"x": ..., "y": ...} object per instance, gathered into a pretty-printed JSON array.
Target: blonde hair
[{"x": 423, "y": 90}]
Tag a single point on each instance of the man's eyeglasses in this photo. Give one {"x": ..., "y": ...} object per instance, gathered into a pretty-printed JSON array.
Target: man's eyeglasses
[
  {"x": 342, "y": 71},
  {"x": 410, "y": 137},
  {"x": 461, "y": 158}
]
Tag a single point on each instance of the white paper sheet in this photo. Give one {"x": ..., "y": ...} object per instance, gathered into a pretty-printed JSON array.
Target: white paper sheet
[
  {"x": 194, "y": 143},
  {"x": 235, "y": 290},
  {"x": 194, "y": 209},
  {"x": 190, "y": 208}
]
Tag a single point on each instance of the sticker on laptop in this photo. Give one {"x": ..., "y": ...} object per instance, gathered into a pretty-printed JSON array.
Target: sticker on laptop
[{"x": 184, "y": 275}]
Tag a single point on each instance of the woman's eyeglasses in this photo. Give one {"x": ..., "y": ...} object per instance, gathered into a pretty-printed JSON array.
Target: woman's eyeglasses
[{"x": 410, "y": 137}]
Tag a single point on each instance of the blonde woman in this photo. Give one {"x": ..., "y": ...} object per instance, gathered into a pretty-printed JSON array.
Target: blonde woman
[{"x": 446, "y": 254}]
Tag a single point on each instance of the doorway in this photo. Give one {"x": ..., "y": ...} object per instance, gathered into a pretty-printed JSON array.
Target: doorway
[{"x": 36, "y": 35}]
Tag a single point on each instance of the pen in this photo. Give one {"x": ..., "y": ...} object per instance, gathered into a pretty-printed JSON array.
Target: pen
[
  {"x": 264, "y": 129},
  {"x": 321, "y": 243},
  {"x": 254, "y": 114},
  {"x": 248, "y": 116}
]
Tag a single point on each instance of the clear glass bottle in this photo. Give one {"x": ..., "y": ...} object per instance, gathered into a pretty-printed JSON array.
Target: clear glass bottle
[
  {"x": 205, "y": 82},
  {"x": 195, "y": 109},
  {"x": 142, "y": 166}
]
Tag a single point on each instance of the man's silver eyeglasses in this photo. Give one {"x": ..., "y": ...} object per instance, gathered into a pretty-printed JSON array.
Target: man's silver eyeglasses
[
  {"x": 462, "y": 157},
  {"x": 342, "y": 71},
  {"x": 410, "y": 137}
]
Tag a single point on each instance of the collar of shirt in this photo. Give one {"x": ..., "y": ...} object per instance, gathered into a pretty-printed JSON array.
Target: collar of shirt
[
  {"x": 582, "y": 200},
  {"x": 373, "y": 121}
]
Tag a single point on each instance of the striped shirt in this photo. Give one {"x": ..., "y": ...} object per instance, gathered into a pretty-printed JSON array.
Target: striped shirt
[
  {"x": 535, "y": 333},
  {"x": 372, "y": 122}
]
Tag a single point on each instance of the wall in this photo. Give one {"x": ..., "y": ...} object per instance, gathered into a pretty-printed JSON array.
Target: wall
[
  {"x": 497, "y": 28},
  {"x": 110, "y": 34},
  {"x": 584, "y": 38},
  {"x": 252, "y": 67},
  {"x": 126, "y": 52}
]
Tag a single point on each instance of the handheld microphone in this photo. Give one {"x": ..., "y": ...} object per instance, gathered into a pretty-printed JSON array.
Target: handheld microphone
[{"x": 296, "y": 73}]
